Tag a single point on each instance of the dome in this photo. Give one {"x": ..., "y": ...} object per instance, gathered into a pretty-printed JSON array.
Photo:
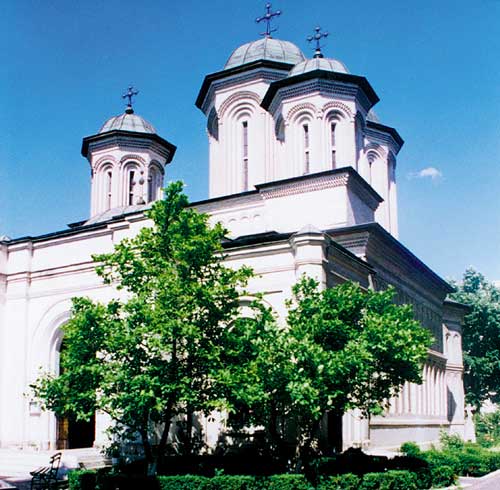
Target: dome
[
  {"x": 266, "y": 48},
  {"x": 128, "y": 121},
  {"x": 326, "y": 64}
]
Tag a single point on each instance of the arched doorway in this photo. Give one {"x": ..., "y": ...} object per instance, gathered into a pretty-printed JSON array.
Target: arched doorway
[{"x": 72, "y": 433}]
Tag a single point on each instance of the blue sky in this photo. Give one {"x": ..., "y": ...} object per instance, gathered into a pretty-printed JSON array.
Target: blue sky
[{"x": 434, "y": 65}]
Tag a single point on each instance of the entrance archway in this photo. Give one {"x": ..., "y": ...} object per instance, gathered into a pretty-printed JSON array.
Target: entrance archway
[{"x": 72, "y": 433}]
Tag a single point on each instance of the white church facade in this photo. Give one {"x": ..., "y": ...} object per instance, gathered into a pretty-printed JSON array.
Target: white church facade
[{"x": 302, "y": 174}]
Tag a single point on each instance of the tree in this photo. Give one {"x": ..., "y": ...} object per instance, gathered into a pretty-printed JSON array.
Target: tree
[
  {"x": 152, "y": 357},
  {"x": 480, "y": 337},
  {"x": 342, "y": 348}
]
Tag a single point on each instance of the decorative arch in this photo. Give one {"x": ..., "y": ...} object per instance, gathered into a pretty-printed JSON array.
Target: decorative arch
[
  {"x": 297, "y": 111},
  {"x": 244, "y": 96},
  {"x": 133, "y": 179},
  {"x": 279, "y": 128},
  {"x": 338, "y": 107},
  {"x": 104, "y": 160},
  {"x": 155, "y": 181},
  {"x": 47, "y": 336},
  {"x": 213, "y": 124},
  {"x": 131, "y": 157},
  {"x": 375, "y": 149}
]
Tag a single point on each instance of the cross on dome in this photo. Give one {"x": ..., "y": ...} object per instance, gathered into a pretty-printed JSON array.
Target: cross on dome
[
  {"x": 267, "y": 18},
  {"x": 130, "y": 93},
  {"x": 317, "y": 36}
]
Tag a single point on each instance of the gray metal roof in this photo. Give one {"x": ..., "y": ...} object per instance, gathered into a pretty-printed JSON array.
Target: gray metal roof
[
  {"x": 326, "y": 64},
  {"x": 266, "y": 48},
  {"x": 128, "y": 122}
]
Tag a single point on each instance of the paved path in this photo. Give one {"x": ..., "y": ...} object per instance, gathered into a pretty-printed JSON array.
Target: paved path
[{"x": 486, "y": 483}]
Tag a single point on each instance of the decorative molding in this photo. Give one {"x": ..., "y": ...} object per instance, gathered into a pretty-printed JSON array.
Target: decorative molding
[
  {"x": 131, "y": 156},
  {"x": 244, "y": 95},
  {"x": 157, "y": 164},
  {"x": 256, "y": 75},
  {"x": 309, "y": 185},
  {"x": 340, "y": 106},
  {"x": 103, "y": 160},
  {"x": 306, "y": 106},
  {"x": 213, "y": 124}
]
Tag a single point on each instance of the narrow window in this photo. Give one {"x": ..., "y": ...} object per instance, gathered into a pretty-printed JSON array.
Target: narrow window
[
  {"x": 109, "y": 184},
  {"x": 307, "y": 164},
  {"x": 131, "y": 184},
  {"x": 150, "y": 187},
  {"x": 333, "y": 144},
  {"x": 245, "y": 154}
]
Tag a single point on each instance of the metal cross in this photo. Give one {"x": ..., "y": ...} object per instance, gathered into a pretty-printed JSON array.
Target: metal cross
[
  {"x": 317, "y": 36},
  {"x": 267, "y": 18},
  {"x": 131, "y": 92}
]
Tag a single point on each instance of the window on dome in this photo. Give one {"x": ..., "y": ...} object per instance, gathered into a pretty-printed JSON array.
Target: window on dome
[
  {"x": 154, "y": 184},
  {"x": 333, "y": 144},
  {"x": 244, "y": 139},
  {"x": 109, "y": 188},
  {"x": 307, "y": 164},
  {"x": 130, "y": 186}
]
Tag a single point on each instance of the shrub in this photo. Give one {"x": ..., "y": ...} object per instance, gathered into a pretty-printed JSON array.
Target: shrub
[
  {"x": 285, "y": 482},
  {"x": 230, "y": 482},
  {"x": 348, "y": 481},
  {"x": 443, "y": 476},
  {"x": 488, "y": 428},
  {"x": 390, "y": 480},
  {"x": 82, "y": 479},
  {"x": 410, "y": 449},
  {"x": 183, "y": 482},
  {"x": 437, "y": 458},
  {"x": 452, "y": 442}
]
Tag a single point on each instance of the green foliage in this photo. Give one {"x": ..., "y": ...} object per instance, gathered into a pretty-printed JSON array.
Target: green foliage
[
  {"x": 451, "y": 442},
  {"x": 390, "y": 480},
  {"x": 285, "y": 482},
  {"x": 410, "y": 449},
  {"x": 443, "y": 476},
  {"x": 185, "y": 482},
  {"x": 82, "y": 480},
  {"x": 152, "y": 357},
  {"x": 480, "y": 337},
  {"x": 488, "y": 428},
  {"x": 348, "y": 481},
  {"x": 344, "y": 348}
]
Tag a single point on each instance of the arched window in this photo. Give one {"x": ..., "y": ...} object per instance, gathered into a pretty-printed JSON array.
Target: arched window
[
  {"x": 131, "y": 184},
  {"x": 333, "y": 144},
  {"x": 154, "y": 183},
  {"x": 306, "y": 151},
  {"x": 304, "y": 138},
  {"x": 244, "y": 153},
  {"x": 335, "y": 137},
  {"x": 109, "y": 188}
]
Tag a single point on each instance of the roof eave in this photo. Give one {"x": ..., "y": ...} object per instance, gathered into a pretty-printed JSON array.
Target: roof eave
[
  {"x": 362, "y": 82},
  {"x": 117, "y": 132},
  {"x": 387, "y": 129},
  {"x": 209, "y": 79}
]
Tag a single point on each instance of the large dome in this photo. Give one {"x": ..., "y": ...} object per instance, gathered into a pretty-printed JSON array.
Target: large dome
[
  {"x": 265, "y": 49},
  {"x": 128, "y": 122},
  {"x": 326, "y": 64}
]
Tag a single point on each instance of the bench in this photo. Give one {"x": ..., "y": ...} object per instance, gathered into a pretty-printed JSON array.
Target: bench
[{"x": 45, "y": 477}]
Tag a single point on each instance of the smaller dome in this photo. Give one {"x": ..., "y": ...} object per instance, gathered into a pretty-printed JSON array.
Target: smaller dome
[
  {"x": 266, "y": 48},
  {"x": 128, "y": 122},
  {"x": 326, "y": 64}
]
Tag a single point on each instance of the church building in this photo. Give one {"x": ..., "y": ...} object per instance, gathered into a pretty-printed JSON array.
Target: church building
[{"x": 303, "y": 175}]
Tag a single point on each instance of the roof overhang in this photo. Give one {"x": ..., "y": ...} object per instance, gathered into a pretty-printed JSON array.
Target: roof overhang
[
  {"x": 209, "y": 79},
  {"x": 399, "y": 142},
  {"x": 96, "y": 138},
  {"x": 361, "y": 82}
]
